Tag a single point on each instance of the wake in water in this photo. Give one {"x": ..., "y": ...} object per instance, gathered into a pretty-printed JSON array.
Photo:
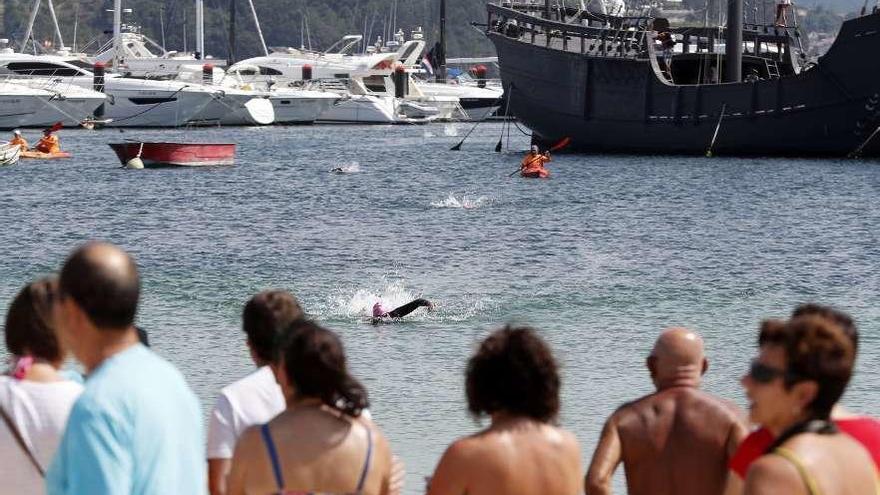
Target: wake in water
[
  {"x": 347, "y": 168},
  {"x": 357, "y": 303},
  {"x": 450, "y": 130},
  {"x": 463, "y": 201}
]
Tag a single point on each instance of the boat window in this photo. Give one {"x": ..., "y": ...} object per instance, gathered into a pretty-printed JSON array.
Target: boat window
[
  {"x": 81, "y": 64},
  {"x": 268, "y": 71},
  {"x": 151, "y": 101},
  {"x": 375, "y": 83},
  {"x": 409, "y": 51},
  {"x": 42, "y": 69}
]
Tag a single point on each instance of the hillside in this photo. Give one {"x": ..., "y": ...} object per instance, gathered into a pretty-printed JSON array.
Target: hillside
[{"x": 283, "y": 21}]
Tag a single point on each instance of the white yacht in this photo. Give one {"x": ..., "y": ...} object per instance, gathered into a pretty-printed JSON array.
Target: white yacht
[
  {"x": 130, "y": 102},
  {"x": 364, "y": 81},
  {"x": 291, "y": 104},
  {"x": 25, "y": 106},
  {"x": 229, "y": 106}
]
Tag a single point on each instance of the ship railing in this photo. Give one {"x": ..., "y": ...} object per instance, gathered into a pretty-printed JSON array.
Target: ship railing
[
  {"x": 624, "y": 40},
  {"x": 758, "y": 41}
]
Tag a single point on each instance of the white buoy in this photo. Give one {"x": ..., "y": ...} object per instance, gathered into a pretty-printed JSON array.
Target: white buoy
[{"x": 135, "y": 163}]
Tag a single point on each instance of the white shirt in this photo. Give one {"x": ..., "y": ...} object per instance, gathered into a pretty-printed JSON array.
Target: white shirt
[
  {"x": 253, "y": 400},
  {"x": 39, "y": 411}
]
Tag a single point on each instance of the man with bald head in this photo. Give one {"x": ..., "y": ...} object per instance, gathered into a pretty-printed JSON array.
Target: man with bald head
[
  {"x": 137, "y": 427},
  {"x": 677, "y": 440}
]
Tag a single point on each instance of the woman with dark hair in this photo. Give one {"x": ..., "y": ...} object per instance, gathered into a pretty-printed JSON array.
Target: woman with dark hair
[
  {"x": 321, "y": 442},
  {"x": 513, "y": 379},
  {"x": 35, "y": 400},
  {"x": 802, "y": 369}
]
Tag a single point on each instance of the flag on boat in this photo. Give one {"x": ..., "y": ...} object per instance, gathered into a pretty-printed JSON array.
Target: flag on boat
[{"x": 428, "y": 62}]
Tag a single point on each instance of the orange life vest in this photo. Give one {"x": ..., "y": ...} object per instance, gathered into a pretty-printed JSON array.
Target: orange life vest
[
  {"x": 534, "y": 163},
  {"x": 20, "y": 141},
  {"x": 49, "y": 144}
]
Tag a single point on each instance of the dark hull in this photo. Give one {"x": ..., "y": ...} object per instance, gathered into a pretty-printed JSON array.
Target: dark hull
[{"x": 622, "y": 105}]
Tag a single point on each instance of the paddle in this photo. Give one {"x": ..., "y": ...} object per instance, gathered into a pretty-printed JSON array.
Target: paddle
[{"x": 558, "y": 146}]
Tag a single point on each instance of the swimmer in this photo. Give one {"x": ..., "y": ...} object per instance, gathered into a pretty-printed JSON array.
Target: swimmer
[{"x": 381, "y": 315}]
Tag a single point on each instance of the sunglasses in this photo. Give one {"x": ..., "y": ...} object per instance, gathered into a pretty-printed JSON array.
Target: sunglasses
[{"x": 763, "y": 373}]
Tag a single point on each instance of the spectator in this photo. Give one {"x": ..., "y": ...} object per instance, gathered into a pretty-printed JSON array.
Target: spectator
[
  {"x": 513, "y": 379},
  {"x": 256, "y": 398},
  {"x": 137, "y": 427},
  {"x": 802, "y": 369},
  {"x": 864, "y": 429},
  {"x": 677, "y": 440},
  {"x": 320, "y": 443},
  {"x": 35, "y": 399}
]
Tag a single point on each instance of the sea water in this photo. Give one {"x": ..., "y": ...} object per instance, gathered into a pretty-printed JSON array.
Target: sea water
[{"x": 599, "y": 258}]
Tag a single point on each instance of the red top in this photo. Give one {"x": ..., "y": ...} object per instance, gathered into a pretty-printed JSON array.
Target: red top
[{"x": 864, "y": 429}]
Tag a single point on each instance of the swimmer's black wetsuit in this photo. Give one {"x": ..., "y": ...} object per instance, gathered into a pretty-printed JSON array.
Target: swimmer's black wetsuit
[
  {"x": 403, "y": 310},
  {"x": 408, "y": 308}
]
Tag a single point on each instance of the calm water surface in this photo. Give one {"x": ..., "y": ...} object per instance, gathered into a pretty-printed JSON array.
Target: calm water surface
[{"x": 599, "y": 258}]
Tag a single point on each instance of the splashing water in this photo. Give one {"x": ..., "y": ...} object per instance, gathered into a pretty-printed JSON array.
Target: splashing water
[
  {"x": 464, "y": 201},
  {"x": 347, "y": 168},
  {"x": 450, "y": 130},
  {"x": 357, "y": 303},
  {"x": 427, "y": 134}
]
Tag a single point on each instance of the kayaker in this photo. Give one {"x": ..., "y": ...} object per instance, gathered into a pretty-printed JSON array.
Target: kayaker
[
  {"x": 20, "y": 141},
  {"x": 380, "y": 314},
  {"x": 49, "y": 143},
  {"x": 533, "y": 163}
]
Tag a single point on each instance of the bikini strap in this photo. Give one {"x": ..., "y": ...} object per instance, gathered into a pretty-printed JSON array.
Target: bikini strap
[
  {"x": 366, "y": 470},
  {"x": 273, "y": 456},
  {"x": 812, "y": 486}
]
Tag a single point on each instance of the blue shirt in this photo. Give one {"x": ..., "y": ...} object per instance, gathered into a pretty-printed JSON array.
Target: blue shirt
[{"x": 136, "y": 429}]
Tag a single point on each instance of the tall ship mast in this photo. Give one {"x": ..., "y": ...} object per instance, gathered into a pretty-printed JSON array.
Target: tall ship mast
[{"x": 635, "y": 84}]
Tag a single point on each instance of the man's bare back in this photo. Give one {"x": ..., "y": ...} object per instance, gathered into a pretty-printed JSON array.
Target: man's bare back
[{"x": 676, "y": 441}]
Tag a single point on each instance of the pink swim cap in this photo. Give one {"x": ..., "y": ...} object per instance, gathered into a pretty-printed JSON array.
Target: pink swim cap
[{"x": 378, "y": 310}]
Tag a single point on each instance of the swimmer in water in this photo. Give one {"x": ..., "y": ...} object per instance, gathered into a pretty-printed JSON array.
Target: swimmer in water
[{"x": 381, "y": 315}]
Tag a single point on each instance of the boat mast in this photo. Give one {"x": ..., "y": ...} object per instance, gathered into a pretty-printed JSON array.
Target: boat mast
[
  {"x": 441, "y": 53},
  {"x": 231, "y": 32},
  {"x": 200, "y": 29},
  {"x": 117, "y": 32},
  {"x": 30, "y": 28},
  {"x": 55, "y": 22},
  {"x": 259, "y": 31},
  {"x": 734, "y": 42}
]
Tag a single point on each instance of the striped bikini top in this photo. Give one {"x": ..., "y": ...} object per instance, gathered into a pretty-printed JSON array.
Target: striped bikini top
[{"x": 279, "y": 477}]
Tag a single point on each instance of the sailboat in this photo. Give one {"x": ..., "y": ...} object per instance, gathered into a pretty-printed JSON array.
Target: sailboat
[{"x": 636, "y": 84}]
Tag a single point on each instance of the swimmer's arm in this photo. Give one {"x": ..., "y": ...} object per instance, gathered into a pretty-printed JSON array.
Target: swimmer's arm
[
  {"x": 450, "y": 477},
  {"x": 605, "y": 460}
]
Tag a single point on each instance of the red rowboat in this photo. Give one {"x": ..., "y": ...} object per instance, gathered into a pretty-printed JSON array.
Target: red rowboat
[{"x": 176, "y": 154}]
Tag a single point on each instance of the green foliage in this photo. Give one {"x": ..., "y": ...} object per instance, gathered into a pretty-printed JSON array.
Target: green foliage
[{"x": 282, "y": 21}]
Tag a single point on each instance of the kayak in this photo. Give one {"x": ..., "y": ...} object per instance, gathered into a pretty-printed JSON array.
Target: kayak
[
  {"x": 536, "y": 174},
  {"x": 45, "y": 156}
]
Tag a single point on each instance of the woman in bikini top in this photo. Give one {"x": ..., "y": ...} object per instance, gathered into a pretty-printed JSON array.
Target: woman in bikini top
[
  {"x": 802, "y": 369},
  {"x": 320, "y": 444}
]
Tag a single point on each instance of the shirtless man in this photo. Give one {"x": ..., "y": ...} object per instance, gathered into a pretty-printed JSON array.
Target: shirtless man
[{"x": 675, "y": 441}]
